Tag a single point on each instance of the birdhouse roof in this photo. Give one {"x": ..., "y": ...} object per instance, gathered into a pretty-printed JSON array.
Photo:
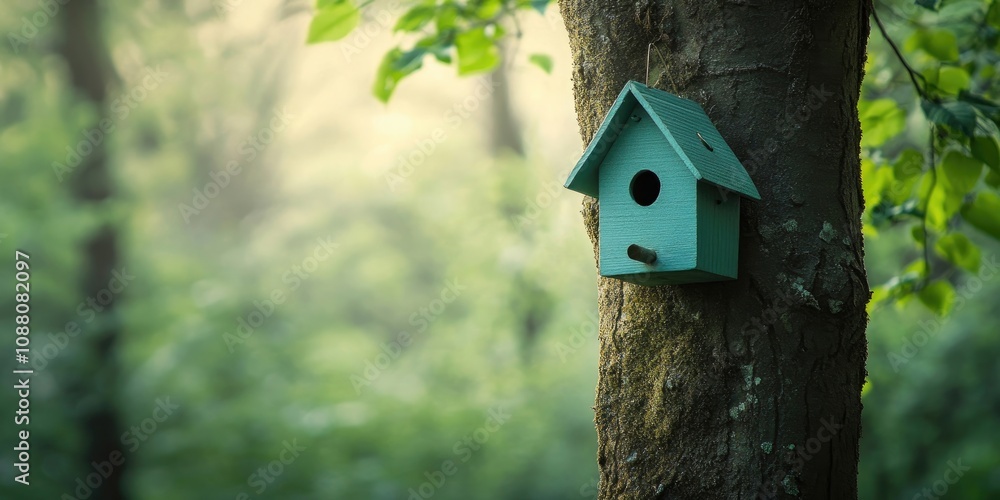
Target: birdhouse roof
[{"x": 681, "y": 121}]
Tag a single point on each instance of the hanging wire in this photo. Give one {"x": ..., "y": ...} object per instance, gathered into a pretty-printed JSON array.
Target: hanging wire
[{"x": 649, "y": 50}]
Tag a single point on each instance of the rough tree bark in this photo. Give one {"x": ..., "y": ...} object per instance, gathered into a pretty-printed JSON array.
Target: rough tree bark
[{"x": 748, "y": 388}]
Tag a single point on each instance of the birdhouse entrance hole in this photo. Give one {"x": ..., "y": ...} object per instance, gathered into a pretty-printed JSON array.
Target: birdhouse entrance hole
[{"x": 645, "y": 188}]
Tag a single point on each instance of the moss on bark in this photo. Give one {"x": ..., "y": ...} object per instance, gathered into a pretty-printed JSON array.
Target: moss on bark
[{"x": 749, "y": 388}]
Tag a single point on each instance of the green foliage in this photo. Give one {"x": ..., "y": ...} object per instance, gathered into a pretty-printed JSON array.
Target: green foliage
[
  {"x": 949, "y": 79},
  {"x": 957, "y": 115},
  {"x": 983, "y": 212},
  {"x": 985, "y": 150},
  {"x": 938, "y": 296},
  {"x": 542, "y": 61},
  {"x": 958, "y": 249},
  {"x": 925, "y": 405},
  {"x": 961, "y": 172},
  {"x": 416, "y": 18},
  {"x": 497, "y": 344},
  {"x": 923, "y": 165},
  {"x": 881, "y": 120},
  {"x": 939, "y": 43},
  {"x": 395, "y": 65},
  {"x": 334, "y": 20},
  {"x": 467, "y": 34},
  {"x": 476, "y": 51}
]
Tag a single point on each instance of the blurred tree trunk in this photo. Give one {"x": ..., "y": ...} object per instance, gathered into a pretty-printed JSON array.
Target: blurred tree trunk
[
  {"x": 530, "y": 303},
  {"x": 505, "y": 134},
  {"x": 749, "y": 388},
  {"x": 90, "y": 71}
]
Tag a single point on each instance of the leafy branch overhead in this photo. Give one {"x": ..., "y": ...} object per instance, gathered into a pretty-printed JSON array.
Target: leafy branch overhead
[
  {"x": 929, "y": 116},
  {"x": 931, "y": 162},
  {"x": 466, "y": 34}
]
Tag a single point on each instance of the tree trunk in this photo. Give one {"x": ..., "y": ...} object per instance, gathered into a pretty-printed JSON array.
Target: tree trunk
[
  {"x": 90, "y": 71},
  {"x": 505, "y": 135},
  {"x": 748, "y": 388}
]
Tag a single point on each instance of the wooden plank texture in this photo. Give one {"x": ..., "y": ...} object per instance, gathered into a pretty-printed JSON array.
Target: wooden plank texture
[{"x": 667, "y": 226}]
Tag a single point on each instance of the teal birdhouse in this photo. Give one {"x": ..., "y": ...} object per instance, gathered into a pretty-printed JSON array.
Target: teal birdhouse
[{"x": 668, "y": 187}]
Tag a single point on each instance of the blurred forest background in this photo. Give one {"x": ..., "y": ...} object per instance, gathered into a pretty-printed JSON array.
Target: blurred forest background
[{"x": 339, "y": 295}]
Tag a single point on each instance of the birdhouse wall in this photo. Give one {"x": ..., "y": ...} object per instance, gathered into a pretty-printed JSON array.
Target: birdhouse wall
[
  {"x": 718, "y": 230},
  {"x": 667, "y": 225}
]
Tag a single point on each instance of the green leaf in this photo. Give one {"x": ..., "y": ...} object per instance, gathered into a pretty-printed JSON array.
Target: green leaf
[
  {"x": 909, "y": 164},
  {"x": 395, "y": 66},
  {"x": 960, "y": 10},
  {"x": 881, "y": 120},
  {"x": 927, "y": 183},
  {"x": 897, "y": 289},
  {"x": 439, "y": 45},
  {"x": 899, "y": 193},
  {"x": 981, "y": 103},
  {"x": 447, "y": 17},
  {"x": 488, "y": 8},
  {"x": 952, "y": 79},
  {"x": 333, "y": 21},
  {"x": 542, "y": 61},
  {"x": 959, "y": 250},
  {"x": 938, "y": 296},
  {"x": 961, "y": 172},
  {"x": 918, "y": 235},
  {"x": 984, "y": 213},
  {"x": 411, "y": 60},
  {"x": 958, "y": 115},
  {"x": 993, "y": 179},
  {"x": 988, "y": 72},
  {"x": 988, "y": 108},
  {"x": 874, "y": 180},
  {"x": 476, "y": 52},
  {"x": 985, "y": 150},
  {"x": 415, "y": 19},
  {"x": 905, "y": 172},
  {"x": 917, "y": 269},
  {"x": 956, "y": 176},
  {"x": 941, "y": 44},
  {"x": 927, "y": 4},
  {"x": 941, "y": 204},
  {"x": 993, "y": 15},
  {"x": 880, "y": 294}
]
